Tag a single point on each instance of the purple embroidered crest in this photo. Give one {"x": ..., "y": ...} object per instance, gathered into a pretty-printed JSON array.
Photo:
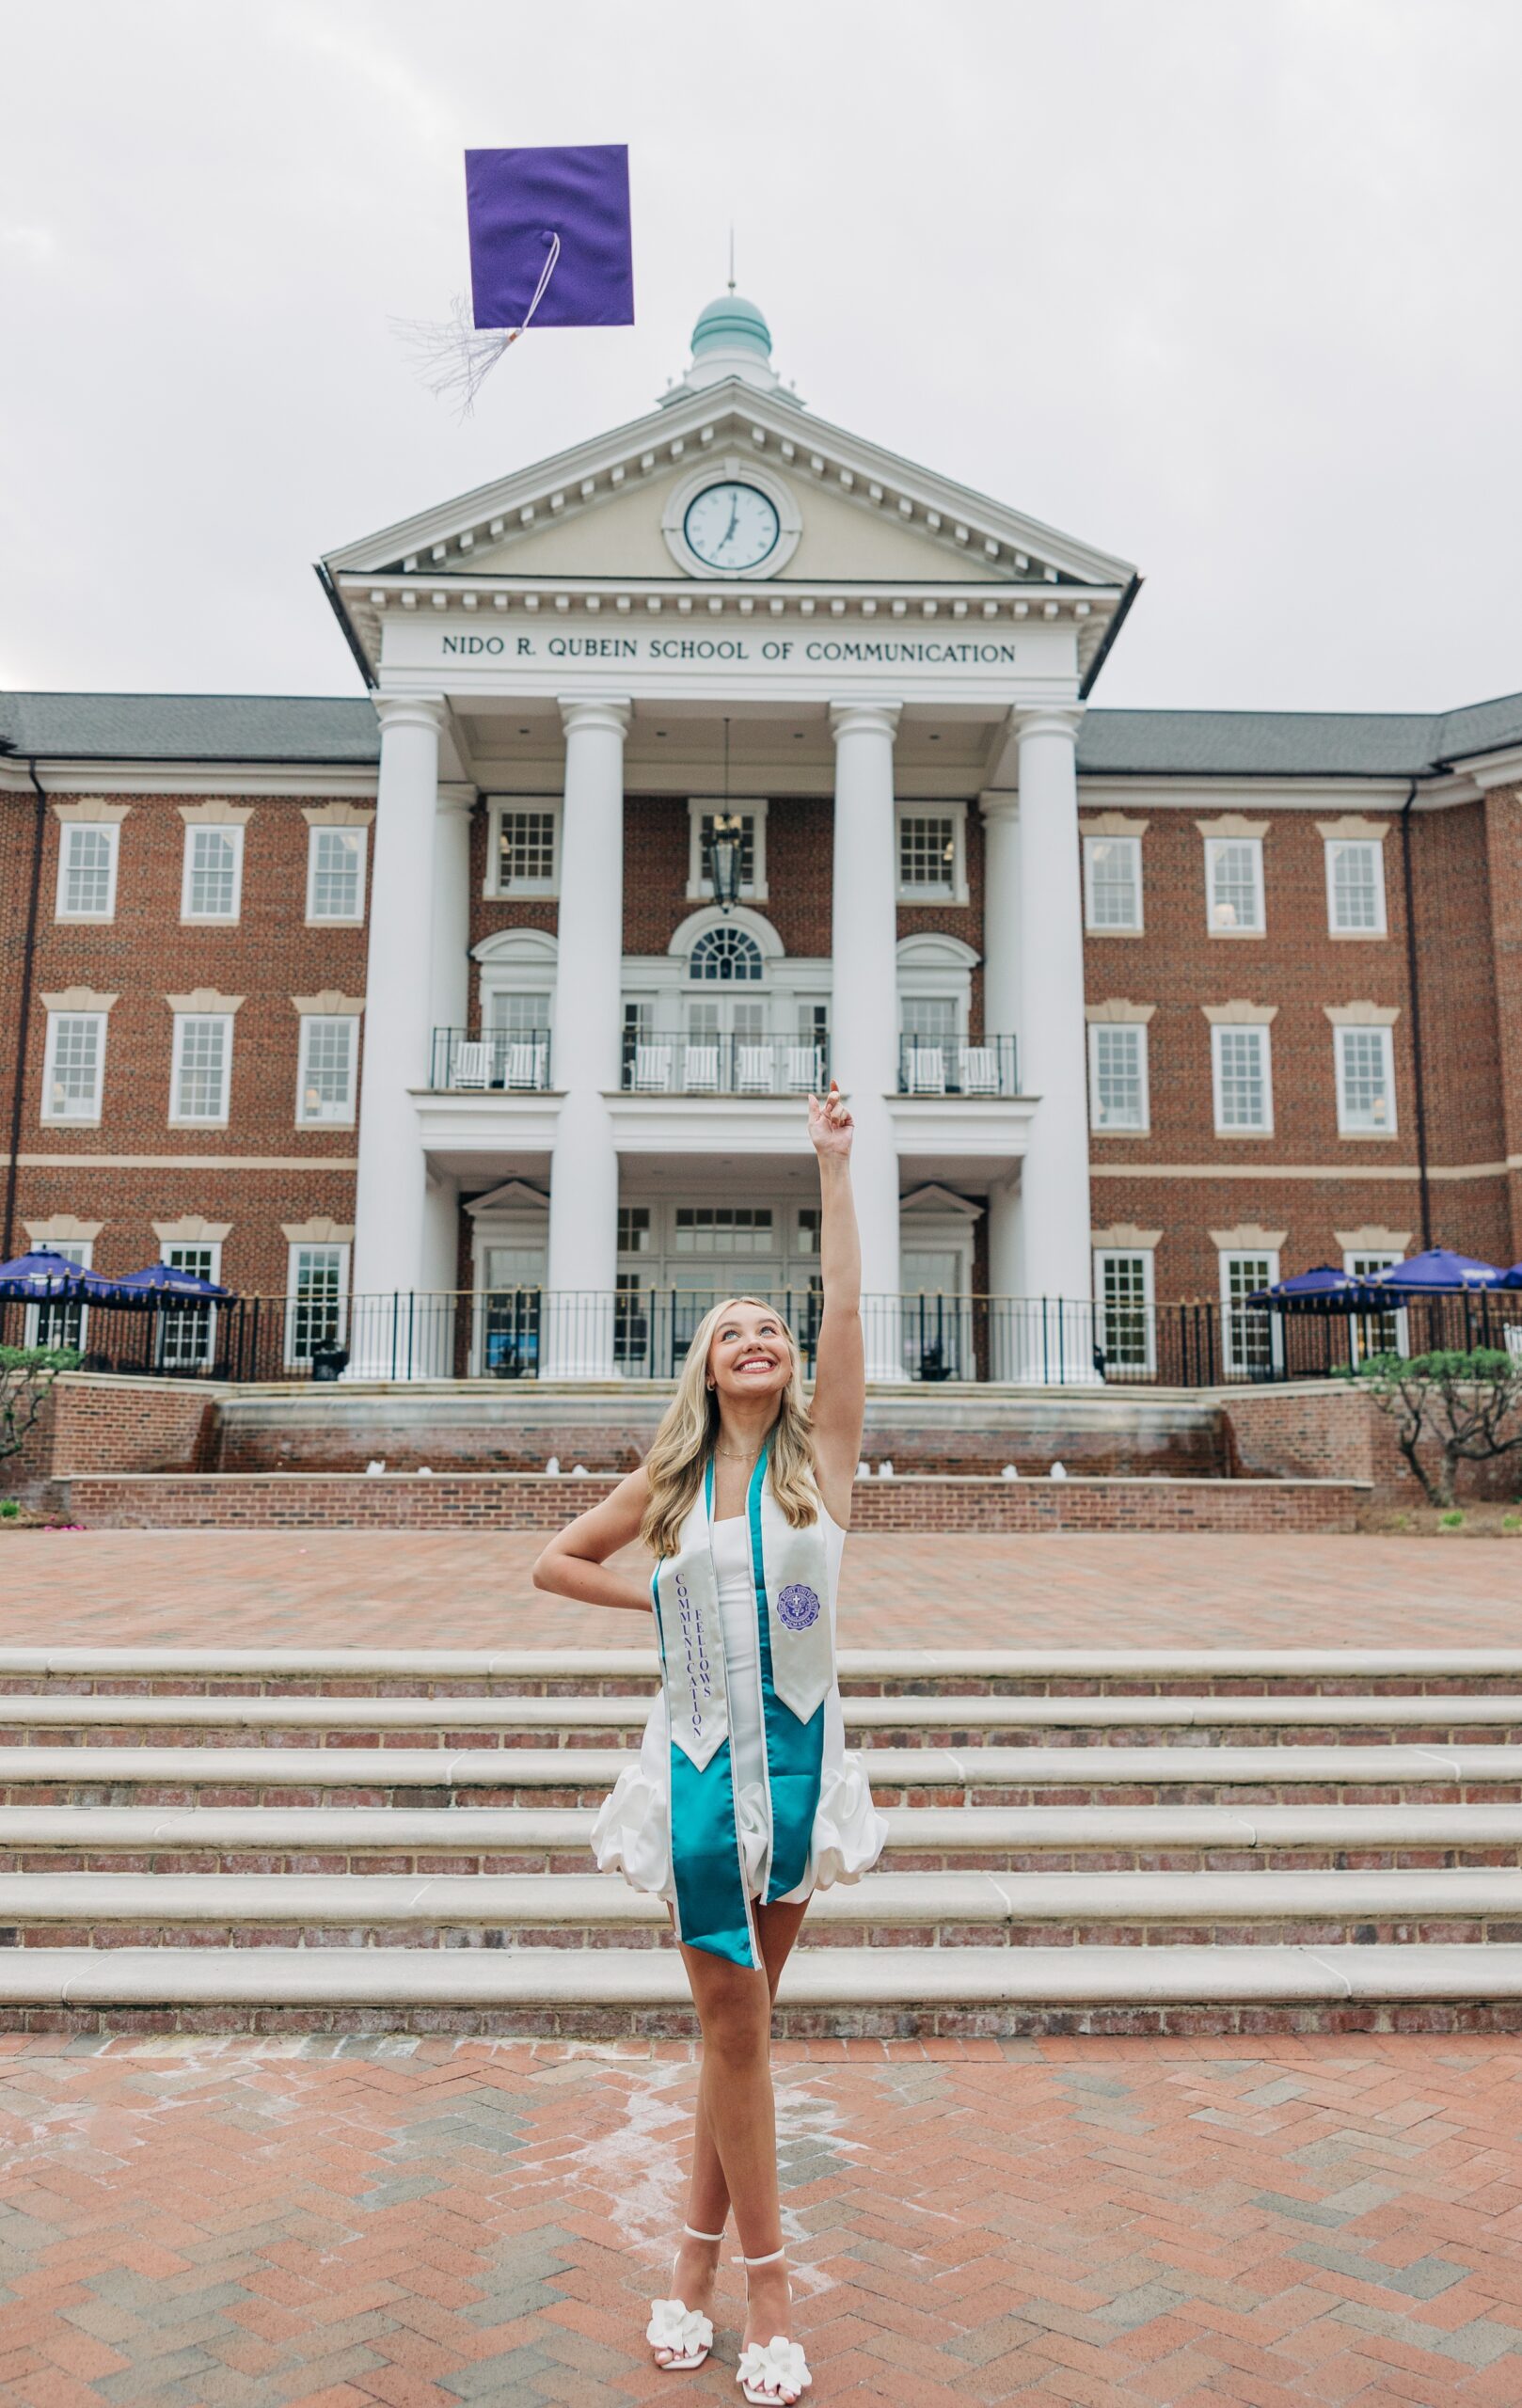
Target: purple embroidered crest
[{"x": 797, "y": 1609}]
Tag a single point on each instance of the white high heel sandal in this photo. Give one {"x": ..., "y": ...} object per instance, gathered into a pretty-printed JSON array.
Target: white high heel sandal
[
  {"x": 685, "y": 2331},
  {"x": 779, "y": 2364}
]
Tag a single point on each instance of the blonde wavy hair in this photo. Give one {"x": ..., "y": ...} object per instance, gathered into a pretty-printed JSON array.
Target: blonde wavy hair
[{"x": 684, "y": 1443}]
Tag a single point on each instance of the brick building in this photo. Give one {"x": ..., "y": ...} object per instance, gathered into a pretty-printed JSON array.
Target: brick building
[{"x": 429, "y": 991}]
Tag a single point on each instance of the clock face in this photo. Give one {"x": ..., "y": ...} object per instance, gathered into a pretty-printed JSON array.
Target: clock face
[{"x": 731, "y": 525}]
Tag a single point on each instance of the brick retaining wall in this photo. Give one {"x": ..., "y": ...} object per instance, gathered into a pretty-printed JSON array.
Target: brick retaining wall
[
  {"x": 538, "y": 1501},
  {"x": 1324, "y": 1430},
  {"x": 94, "y": 1423}
]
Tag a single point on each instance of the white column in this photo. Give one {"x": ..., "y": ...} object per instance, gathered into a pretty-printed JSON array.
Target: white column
[
  {"x": 1054, "y": 1179},
  {"x": 583, "y": 1180},
  {"x": 389, "y": 1190},
  {"x": 448, "y": 1007},
  {"x": 863, "y": 1033}
]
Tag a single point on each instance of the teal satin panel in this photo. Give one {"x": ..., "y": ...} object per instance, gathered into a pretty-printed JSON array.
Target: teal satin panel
[
  {"x": 712, "y": 1911},
  {"x": 795, "y": 1750}
]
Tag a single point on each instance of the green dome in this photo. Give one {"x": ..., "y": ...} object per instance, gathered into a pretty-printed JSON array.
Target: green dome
[{"x": 732, "y": 324}]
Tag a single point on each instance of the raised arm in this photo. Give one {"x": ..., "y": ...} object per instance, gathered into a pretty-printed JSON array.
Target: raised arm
[
  {"x": 840, "y": 1367},
  {"x": 575, "y": 1563}
]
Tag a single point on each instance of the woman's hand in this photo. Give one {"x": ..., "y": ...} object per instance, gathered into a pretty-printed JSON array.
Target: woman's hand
[{"x": 830, "y": 1126}]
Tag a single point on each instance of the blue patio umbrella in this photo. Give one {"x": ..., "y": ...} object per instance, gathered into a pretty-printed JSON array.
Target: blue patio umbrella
[
  {"x": 1322, "y": 1290},
  {"x": 162, "y": 1279},
  {"x": 1438, "y": 1273},
  {"x": 41, "y": 1275},
  {"x": 1513, "y": 1276}
]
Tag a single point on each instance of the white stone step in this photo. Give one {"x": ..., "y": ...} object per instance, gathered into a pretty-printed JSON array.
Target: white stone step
[
  {"x": 510, "y": 1980},
  {"x": 441, "y": 1829},
  {"x": 885, "y": 1899},
  {"x": 594, "y": 1768},
  {"x": 861, "y": 1714}
]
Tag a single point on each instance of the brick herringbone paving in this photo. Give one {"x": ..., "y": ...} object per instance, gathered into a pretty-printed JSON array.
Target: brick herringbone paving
[
  {"x": 395, "y": 1588},
  {"x": 412, "y": 2221}
]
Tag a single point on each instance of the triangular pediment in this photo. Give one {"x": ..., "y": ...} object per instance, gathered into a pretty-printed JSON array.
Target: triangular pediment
[{"x": 595, "y": 510}]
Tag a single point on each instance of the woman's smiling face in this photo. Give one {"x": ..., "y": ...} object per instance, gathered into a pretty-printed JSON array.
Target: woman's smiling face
[{"x": 750, "y": 1352}]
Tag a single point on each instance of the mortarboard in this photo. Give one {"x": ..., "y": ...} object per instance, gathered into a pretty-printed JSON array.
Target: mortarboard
[{"x": 549, "y": 246}]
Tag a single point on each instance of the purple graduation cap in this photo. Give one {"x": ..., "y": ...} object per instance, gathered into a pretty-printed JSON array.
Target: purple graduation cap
[{"x": 549, "y": 246}]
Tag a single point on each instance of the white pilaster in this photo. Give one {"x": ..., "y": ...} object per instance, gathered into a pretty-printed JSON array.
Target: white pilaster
[
  {"x": 1054, "y": 1179},
  {"x": 583, "y": 1181},
  {"x": 863, "y": 1033},
  {"x": 390, "y": 1196}
]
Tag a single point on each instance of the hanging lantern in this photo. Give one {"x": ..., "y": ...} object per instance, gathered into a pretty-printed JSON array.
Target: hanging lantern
[{"x": 725, "y": 847}]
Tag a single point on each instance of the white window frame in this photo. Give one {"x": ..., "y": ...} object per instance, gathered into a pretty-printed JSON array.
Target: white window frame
[
  {"x": 500, "y": 807},
  {"x": 202, "y": 1318},
  {"x": 1335, "y": 844},
  {"x": 234, "y": 834},
  {"x": 179, "y": 1119},
  {"x": 1268, "y": 1257},
  {"x": 90, "y": 1119},
  {"x": 744, "y": 806},
  {"x": 1136, "y": 1029},
  {"x": 295, "y": 1248},
  {"x": 1142, "y": 1254},
  {"x": 1359, "y": 1262},
  {"x": 80, "y": 1252},
  {"x": 111, "y": 831},
  {"x": 354, "y": 919},
  {"x": 1220, "y": 1029},
  {"x": 957, "y": 812},
  {"x": 1346, "y": 1128},
  {"x": 1112, "y": 927},
  {"x": 342, "y": 1116},
  {"x": 1214, "y": 846}
]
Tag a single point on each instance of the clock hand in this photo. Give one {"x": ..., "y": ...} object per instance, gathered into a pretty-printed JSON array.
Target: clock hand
[{"x": 733, "y": 520}]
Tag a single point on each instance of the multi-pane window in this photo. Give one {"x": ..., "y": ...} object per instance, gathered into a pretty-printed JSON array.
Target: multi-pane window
[
  {"x": 1365, "y": 1082},
  {"x": 73, "y": 1073},
  {"x": 929, "y": 1020},
  {"x": 724, "y": 1228},
  {"x": 1111, "y": 882},
  {"x": 1117, "y": 1075},
  {"x": 88, "y": 871},
  {"x": 725, "y": 953},
  {"x": 213, "y": 872},
  {"x": 1249, "y": 1335},
  {"x": 1123, "y": 1293},
  {"x": 202, "y": 1066},
  {"x": 928, "y": 853},
  {"x": 634, "y": 1228},
  {"x": 187, "y": 1333},
  {"x": 61, "y": 1322},
  {"x": 520, "y": 1015},
  {"x": 1234, "y": 885},
  {"x": 1243, "y": 1078},
  {"x": 809, "y": 1219},
  {"x": 329, "y": 1059},
  {"x": 1375, "y": 1333},
  {"x": 1356, "y": 886},
  {"x": 526, "y": 850},
  {"x": 336, "y": 874},
  {"x": 631, "y": 1323},
  {"x": 317, "y": 1300}
]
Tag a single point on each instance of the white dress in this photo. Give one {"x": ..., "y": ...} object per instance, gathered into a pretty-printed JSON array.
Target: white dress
[{"x": 632, "y": 1833}]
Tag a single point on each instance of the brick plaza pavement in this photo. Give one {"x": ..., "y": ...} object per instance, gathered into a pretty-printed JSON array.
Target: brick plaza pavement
[
  {"x": 419, "y": 2223},
  {"x": 394, "y": 1588}
]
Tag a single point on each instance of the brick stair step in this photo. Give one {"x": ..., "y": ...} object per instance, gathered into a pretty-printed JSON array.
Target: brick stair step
[
  {"x": 946, "y": 1671},
  {"x": 873, "y": 1722},
  {"x": 440, "y": 1840},
  {"x": 901, "y": 1776},
  {"x": 593, "y": 1909},
  {"x": 850, "y": 1991}
]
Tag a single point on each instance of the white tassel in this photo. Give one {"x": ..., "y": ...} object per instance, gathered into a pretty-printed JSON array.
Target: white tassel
[{"x": 454, "y": 358}]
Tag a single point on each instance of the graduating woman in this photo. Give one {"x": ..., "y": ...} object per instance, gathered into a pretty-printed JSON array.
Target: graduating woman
[{"x": 743, "y": 1801}]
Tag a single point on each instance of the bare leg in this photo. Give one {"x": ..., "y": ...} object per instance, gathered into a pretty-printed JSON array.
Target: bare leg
[{"x": 734, "y": 2146}]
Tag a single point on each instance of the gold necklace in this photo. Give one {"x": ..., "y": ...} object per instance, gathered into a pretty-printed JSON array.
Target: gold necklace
[{"x": 732, "y": 1455}]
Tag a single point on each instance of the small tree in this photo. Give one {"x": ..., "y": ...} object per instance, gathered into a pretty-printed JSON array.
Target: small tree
[
  {"x": 1461, "y": 1402},
  {"x": 26, "y": 1375}
]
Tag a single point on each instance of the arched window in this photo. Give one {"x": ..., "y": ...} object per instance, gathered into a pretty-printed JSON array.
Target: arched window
[{"x": 725, "y": 954}]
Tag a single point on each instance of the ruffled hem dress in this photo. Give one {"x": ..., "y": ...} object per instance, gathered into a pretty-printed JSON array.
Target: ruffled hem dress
[{"x": 632, "y": 1832}]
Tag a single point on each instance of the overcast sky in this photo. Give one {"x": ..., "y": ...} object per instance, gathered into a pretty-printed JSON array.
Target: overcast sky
[{"x": 1230, "y": 290}]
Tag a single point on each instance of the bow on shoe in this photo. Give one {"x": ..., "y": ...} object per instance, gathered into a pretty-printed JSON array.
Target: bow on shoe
[
  {"x": 678, "y": 2328},
  {"x": 780, "y": 2367}
]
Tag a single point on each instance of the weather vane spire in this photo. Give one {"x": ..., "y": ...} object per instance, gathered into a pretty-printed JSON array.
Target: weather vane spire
[{"x": 732, "y": 255}]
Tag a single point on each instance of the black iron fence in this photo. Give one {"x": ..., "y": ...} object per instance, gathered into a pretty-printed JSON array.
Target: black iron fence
[
  {"x": 724, "y": 1062},
  {"x": 643, "y": 1333},
  {"x": 958, "y": 1066},
  {"x": 509, "y": 1061}
]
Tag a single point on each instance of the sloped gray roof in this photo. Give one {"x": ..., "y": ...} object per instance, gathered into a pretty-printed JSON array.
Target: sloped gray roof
[
  {"x": 192, "y": 727},
  {"x": 1304, "y": 744},
  {"x": 335, "y": 729}
]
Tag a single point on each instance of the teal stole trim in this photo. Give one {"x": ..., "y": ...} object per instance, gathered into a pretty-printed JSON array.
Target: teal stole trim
[{"x": 713, "y": 1906}]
